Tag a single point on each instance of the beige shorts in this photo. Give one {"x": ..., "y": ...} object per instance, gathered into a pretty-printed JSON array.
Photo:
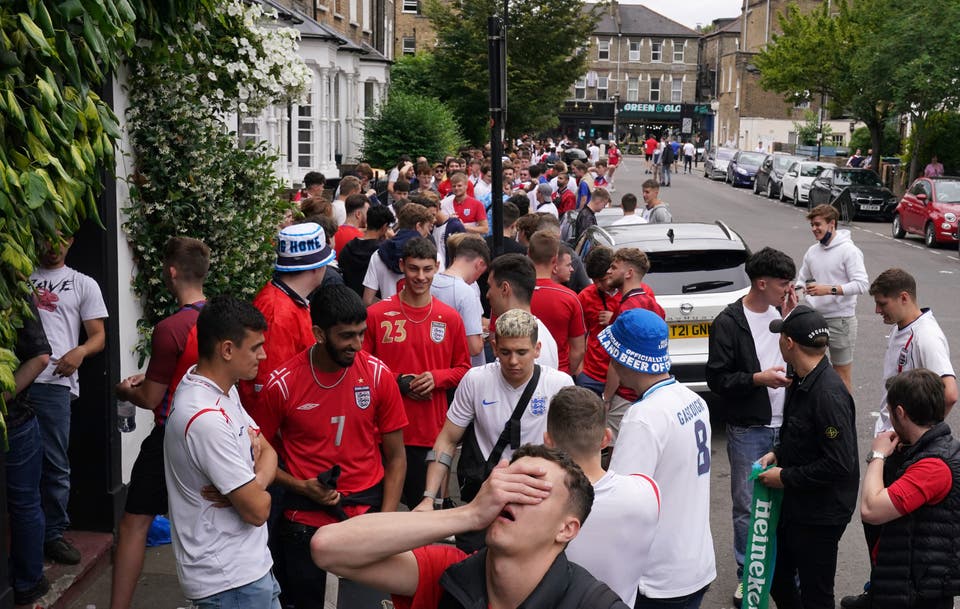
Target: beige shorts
[
  {"x": 618, "y": 408},
  {"x": 843, "y": 336}
]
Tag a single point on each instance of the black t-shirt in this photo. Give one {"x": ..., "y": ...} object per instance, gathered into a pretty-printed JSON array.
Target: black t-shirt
[{"x": 31, "y": 342}]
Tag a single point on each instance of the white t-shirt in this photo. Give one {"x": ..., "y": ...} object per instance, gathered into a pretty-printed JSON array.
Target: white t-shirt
[
  {"x": 379, "y": 277},
  {"x": 466, "y": 300},
  {"x": 921, "y": 344},
  {"x": 689, "y": 149},
  {"x": 339, "y": 211},
  {"x": 481, "y": 189},
  {"x": 634, "y": 218},
  {"x": 767, "y": 345},
  {"x": 666, "y": 435},
  {"x": 549, "y": 354},
  {"x": 206, "y": 443},
  {"x": 394, "y": 175},
  {"x": 614, "y": 543},
  {"x": 65, "y": 299},
  {"x": 547, "y": 208},
  {"x": 485, "y": 399},
  {"x": 594, "y": 153}
]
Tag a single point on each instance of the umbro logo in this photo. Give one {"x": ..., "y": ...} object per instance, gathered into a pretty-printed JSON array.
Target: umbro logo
[
  {"x": 392, "y": 313},
  {"x": 307, "y": 406}
]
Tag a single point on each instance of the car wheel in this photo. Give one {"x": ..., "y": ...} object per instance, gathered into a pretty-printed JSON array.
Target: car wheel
[
  {"x": 796, "y": 197},
  {"x": 756, "y": 187},
  {"x": 783, "y": 195},
  {"x": 930, "y": 236},
  {"x": 769, "y": 189},
  {"x": 896, "y": 229}
]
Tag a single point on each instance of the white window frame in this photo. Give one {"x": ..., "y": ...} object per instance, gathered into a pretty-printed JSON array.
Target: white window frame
[
  {"x": 634, "y": 54},
  {"x": 676, "y": 91},
  {"x": 633, "y": 89},
  {"x": 249, "y": 130},
  {"x": 369, "y": 98},
  {"x": 655, "y": 92},
  {"x": 306, "y": 129},
  {"x": 603, "y": 47},
  {"x": 405, "y": 7},
  {"x": 678, "y": 47},
  {"x": 603, "y": 84},
  {"x": 656, "y": 51},
  {"x": 580, "y": 88},
  {"x": 354, "y": 17},
  {"x": 407, "y": 49}
]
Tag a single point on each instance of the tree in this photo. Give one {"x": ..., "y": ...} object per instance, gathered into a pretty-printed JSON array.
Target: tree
[
  {"x": 410, "y": 124},
  {"x": 808, "y": 130},
  {"x": 891, "y": 140},
  {"x": 413, "y": 74},
  {"x": 546, "y": 53}
]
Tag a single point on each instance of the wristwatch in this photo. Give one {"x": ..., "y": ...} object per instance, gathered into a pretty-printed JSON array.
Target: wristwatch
[
  {"x": 876, "y": 455},
  {"x": 833, "y": 290}
]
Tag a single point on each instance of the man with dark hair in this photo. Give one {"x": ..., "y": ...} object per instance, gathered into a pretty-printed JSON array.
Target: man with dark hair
[
  {"x": 383, "y": 272},
  {"x": 745, "y": 369},
  {"x": 533, "y": 508},
  {"x": 356, "y": 206},
  {"x": 313, "y": 184},
  {"x": 425, "y": 181},
  {"x": 511, "y": 282},
  {"x": 302, "y": 258},
  {"x": 624, "y": 506},
  {"x": 556, "y": 304},
  {"x": 587, "y": 216},
  {"x": 832, "y": 275},
  {"x": 564, "y": 198},
  {"x": 326, "y": 410},
  {"x": 815, "y": 462},
  {"x": 354, "y": 256},
  {"x": 914, "y": 500},
  {"x": 424, "y": 342},
  {"x": 173, "y": 349},
  {"x": 628, "y": 203},
  {"x": 218, "y": 467},
  {"x": 600, "y": 303}
]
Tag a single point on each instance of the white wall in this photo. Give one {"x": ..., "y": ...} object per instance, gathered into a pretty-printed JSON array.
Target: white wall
[{"x": 769, "y": 130}]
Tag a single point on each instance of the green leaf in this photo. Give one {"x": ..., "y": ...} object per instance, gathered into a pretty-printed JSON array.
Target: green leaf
[
  {"x": 71, "y": 9},
  {"x": 34, "y": 189},
  {"x": 68, "y": 55},
  {"x": 108, "y": 121},
  {"x": 34, "y": 34}
]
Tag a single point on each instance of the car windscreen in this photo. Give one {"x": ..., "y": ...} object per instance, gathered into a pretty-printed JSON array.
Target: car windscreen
[
  {"x": 811, "y": 171},
  {"x": 782, "y": 163},
  {"x": 857, "y": 178},
  {"x": 697, "y": 271},
  {"x": 725, "y": 154},
  {"x": 948, "y": 191},
  {"x": 751, "y": 159}
]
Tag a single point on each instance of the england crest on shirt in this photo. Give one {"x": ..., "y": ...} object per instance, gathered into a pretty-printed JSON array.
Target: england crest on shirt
[
  {"x": 438, "y": 330},
  {"x": 466, "y": 212},
  {"x": 538, "y": 405},
  {"x": 362, "y": 395}
]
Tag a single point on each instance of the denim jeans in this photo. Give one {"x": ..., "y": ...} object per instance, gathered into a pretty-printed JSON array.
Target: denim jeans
[
  {"x": 24, "y": 462},
  {"x": 744, "y": 446},
  {"x": 261, "y": 594},
  {"x": 666, "y": 175},
  {"x": 690, "y": 601},
  {"x": 590, "y": 383},
  {"x": 52, "y": 405}
]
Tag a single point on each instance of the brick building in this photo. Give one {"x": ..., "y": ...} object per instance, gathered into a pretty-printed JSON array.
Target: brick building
[
  {"x": 413, "y": 30},
  {"x": 749, "y": 116}
]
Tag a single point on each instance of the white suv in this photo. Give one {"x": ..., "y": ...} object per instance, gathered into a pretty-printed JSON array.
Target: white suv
[{"x": 696, "y": 270}]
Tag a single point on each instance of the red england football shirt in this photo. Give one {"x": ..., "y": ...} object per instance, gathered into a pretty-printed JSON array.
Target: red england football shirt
[
  {"x": 320, "y": 428},
  {"x": 639, "y": 298},
  {"x": 432, "y": 562},
  {"x": 344, "y": 235},
  {"x": 444, "y": 188},
  {"x": 565, "y": 200},
  {"x": 470, "y": 210},
  {"x": 171, "y": 343},
  {"x": 559, "y": 309},
  {"x": 289, "y": 331},
  {"x": 593, "y": 301},
  {"x": 414, "y": 340}
]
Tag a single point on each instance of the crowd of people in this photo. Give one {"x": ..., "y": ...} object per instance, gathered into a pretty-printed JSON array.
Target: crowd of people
[{"x": 315, "y": 429}]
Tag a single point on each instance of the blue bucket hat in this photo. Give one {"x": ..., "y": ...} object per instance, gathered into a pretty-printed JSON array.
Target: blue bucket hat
[{"x": 638, "y": 340}]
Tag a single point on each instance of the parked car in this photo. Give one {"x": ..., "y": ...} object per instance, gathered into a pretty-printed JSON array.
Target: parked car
[
  {"x": 715, "y": 165},
  {"x": 855, "y": 191},
  {"x": 572, "y": 154},
  {"x": 696, "y": 269},
  {"x": 797, "y": 180},
  {"x": 770, "y": 175},
  {"x": 742, "y": 168},
  {"x": 930, "y": 208}
]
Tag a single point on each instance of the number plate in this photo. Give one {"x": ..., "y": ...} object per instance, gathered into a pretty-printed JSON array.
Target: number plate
[
  {"x": 695, "y": 330},
  {"x": 870, "y": 207}
]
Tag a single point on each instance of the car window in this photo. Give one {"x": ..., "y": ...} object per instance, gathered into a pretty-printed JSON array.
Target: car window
[
  {"x": 697, "y": 272},
  {"x": 948, "y": 191},
  {"x": 751, "y": 159},
  {"x": 858, "y": 178},
  {"x": 810, "y": 171},
  {"x": 917, "y": 188},
  {"x": 782, "y": 162},
  {"x": 725, "y": 154}
]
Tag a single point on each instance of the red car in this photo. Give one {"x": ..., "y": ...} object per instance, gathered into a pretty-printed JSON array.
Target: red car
[{"x": 929, "y": 208}]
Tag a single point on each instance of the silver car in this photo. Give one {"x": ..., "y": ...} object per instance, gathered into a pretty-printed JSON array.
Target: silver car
[{"x": 715, "y": 165}]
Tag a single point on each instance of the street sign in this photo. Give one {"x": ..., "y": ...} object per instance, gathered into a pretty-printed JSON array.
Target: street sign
[{"x": 687, "y": 126}]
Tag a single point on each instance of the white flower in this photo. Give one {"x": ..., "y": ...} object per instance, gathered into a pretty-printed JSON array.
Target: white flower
[{"x": 212, "y": 76}]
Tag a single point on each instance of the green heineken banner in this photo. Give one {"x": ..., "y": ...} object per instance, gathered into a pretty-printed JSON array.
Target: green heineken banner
[{"x": 761, "y": 554}]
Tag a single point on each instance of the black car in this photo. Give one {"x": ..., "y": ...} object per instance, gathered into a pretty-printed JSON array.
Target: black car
[
  {"x": 769, "y": 178},
  {"x": 855, "y": 192},
  {"x": 572, "y": 154}
]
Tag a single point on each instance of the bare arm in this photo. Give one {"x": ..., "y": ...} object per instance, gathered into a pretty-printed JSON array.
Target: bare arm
[
  {"x": 369, "y": 296},
  {"x": 949, "y": 392},
  {"x": 26, "y": 372},
  {"x": 395, "y": 469},
  {"x": 96, "y": 339},
  {"x": 446, "y": 443},
  {"x": 479, "y": 228},
  {"x": 475, "y": 344},
  {"x": 578, "y": 346},
  {"x": 141, "y": 391},
  {"x": 876, "y": 507}
]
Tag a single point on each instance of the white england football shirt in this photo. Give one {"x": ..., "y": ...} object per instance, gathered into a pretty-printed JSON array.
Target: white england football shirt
[
  {"x": 206, "y": 443},
  {"x": 666, "y": 435},
  {"x": 614, "y": 543},
  {"x": 487, "y": 400}
]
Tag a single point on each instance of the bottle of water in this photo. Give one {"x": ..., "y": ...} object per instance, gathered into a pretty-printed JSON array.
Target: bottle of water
[{"x": 126, "y": 416}]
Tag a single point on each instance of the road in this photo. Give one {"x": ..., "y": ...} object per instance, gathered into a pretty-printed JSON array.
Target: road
[{"x": 767, "y": 222}]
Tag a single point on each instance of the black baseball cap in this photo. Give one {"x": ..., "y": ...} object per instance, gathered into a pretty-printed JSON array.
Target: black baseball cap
[{"x": 803, "y": 325}]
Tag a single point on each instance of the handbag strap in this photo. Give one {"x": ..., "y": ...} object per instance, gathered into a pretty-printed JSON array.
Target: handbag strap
[{"x": 511, "y": 430}]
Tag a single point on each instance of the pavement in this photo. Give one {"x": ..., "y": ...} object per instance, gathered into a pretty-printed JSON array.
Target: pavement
[{"x": 761, "y": 222}]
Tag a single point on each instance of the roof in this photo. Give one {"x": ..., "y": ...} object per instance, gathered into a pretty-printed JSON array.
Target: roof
[
  {"x": 685, "y": 236},
  {"x": 732, "y": 27},
  {"x": 310, "y": 28},
  {"x": 636, "y": 19}
]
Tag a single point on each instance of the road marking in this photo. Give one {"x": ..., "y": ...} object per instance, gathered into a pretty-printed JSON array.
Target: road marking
[{"x": 874, "y": 413}]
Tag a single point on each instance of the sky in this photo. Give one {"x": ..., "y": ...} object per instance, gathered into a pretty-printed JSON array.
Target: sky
[{"x": 692, "y": 12}]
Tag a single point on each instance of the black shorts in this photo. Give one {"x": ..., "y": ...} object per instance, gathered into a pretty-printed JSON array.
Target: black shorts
[
  {"x": 147, "y": 493},
  {"x": 649, "y": 156}
]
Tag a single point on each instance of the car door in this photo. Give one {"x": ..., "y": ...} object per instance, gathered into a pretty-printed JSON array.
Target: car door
[
  {"x": 912, "y": 207},
  {"x": 764, "y": 174},
  {"x": 790, "y": 180},
  {"x": 820, "y": 188}
]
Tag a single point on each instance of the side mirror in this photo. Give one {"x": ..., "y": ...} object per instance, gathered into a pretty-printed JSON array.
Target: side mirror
[{"x": 922, "y": 197}]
